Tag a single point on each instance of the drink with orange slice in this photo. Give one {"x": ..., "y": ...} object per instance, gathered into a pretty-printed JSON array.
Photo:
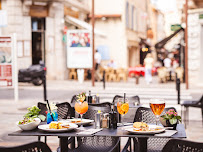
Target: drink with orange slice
[
  {"x": 122, "y": 106},
  {"x": 81, "y": 106}
]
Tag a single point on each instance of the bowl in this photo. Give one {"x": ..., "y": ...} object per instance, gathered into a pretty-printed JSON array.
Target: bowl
[{"x": 30, "y": 126}]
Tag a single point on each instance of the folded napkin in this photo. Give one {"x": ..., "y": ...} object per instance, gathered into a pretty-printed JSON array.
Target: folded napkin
[
  {"x": 89, "y": 131},
  {"x": 167, "y": 133}
]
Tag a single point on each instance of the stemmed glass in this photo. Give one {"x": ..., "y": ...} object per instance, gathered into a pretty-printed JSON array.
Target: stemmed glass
[
  {"x": 157, "y": 106},
  {"x": 81, "y": 108},
  {"x": 122, "y": 107}
]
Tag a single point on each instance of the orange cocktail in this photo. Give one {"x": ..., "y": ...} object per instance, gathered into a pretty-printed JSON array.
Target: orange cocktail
[
  {"x": 81, "y": 107},
  {"x": 122, "y": 107}
]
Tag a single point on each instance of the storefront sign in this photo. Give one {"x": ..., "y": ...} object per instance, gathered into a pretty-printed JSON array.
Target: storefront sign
[
  {"x": 38, "y": 11},
  {"x": 79, "y": 49},
  {"x": 175, "y": 27},
  {"x": 5, "y": 61},
  {"x": 200, "y": 16}
]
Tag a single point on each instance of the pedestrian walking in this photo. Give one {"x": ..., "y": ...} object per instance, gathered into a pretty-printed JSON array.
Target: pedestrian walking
[
  {"x": 148, "y": 62},
  {"x": 97, "y": 58}
]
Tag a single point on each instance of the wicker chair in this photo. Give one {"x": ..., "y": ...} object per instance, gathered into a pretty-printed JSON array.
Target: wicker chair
[
  {"x": 144, "y": 114},
  {"x": 97, "y": 144},
  {"x": 31, "y": 147},
  {"x": 64, "y": 110},
  {"x": 187, "y": 104},
  {"x": 133, "y": 100},
  {"x": 177, "y": 145}
]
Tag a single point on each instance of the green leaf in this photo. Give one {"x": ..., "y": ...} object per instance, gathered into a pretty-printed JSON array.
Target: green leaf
[
  {"x": 42, "y": 117},
  {"x": 173, "y": 121},
  {"x": 178, "y": 117}
]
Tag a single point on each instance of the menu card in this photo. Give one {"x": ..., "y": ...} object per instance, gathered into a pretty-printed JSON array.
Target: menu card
[{"x": 89, "y": 131}]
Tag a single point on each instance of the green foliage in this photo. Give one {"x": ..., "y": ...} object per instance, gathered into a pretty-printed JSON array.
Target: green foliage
[
  {"x": 172, "y": 116},
  {"x": 33, "y": 112}
]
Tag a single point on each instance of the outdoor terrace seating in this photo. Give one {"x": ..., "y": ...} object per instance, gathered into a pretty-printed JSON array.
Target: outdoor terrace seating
[
  {"x": 185, "y": 107},
  {"x": 177, "y": 145},
  {"x": 31, "y": 147},
  {"x": 144, "y": 114}
]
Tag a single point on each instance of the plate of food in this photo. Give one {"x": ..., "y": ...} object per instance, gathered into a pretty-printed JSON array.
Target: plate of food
[
  {"x": 28, "y": 123},
  {"x": 143, "y": 128},
  {"x": 78, "y": 121},
  {"x": 58, "y": 127}
]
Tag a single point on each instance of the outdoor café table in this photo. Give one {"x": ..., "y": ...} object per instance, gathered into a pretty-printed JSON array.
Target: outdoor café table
[{"x": 63, "y": 136}]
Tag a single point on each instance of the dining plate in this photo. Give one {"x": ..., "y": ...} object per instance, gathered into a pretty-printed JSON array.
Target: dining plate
[
  {"x": 78, "y": 121},
  {"x": 46, "y": 128},
  {"x": 153, "y": 129}
]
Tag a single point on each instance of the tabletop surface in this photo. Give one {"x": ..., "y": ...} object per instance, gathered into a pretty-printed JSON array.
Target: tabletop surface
[{"x": 105, "y": 132}]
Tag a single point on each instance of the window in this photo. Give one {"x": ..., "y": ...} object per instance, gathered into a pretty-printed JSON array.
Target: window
[
  {"x": 135, "y": 19},
  {"x": 132, "y": 18},
  {"x": 127, "y": 15}
]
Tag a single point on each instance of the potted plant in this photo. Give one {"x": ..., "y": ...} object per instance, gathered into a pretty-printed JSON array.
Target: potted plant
[{"x": 170, "y": 119}]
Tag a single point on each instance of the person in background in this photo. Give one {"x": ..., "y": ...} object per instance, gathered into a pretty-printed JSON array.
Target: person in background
[
  {"x": 97, "y": 58},
  {"x": 167, "y": 63},
  {"x": 148, "y": 62},
  {"x": 112, "y": 64}
]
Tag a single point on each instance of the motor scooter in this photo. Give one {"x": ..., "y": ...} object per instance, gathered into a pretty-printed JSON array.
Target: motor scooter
[{"x": 34, "y": 74}]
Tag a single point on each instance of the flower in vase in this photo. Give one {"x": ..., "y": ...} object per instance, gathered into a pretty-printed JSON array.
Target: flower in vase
[{"x": 172, "y": 116}]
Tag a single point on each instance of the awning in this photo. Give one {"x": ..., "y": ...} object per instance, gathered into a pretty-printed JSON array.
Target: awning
[
  {"x": 83, "y": 24},
  {"x": 161, "y": 44}
]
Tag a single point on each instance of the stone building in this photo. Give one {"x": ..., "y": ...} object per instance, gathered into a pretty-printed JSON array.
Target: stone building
[
  {"x": 39, "y": 25},
  {"x": 195, "y": 46},
  {"x": 124, "y": 23}
]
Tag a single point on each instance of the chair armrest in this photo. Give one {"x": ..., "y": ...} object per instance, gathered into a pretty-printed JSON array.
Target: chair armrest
[{"x": 115, "y": 146}]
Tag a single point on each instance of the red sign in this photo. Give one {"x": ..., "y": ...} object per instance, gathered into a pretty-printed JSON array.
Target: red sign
[{"x": 6, "y": 75}]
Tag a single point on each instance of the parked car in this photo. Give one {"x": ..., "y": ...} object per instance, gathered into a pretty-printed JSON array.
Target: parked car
[{"x": 34, "y": 74}]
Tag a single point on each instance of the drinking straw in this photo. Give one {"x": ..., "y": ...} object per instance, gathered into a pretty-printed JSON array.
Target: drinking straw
[
  {"x": 124, "y": 97},
  {"x": 49, "y": 110}
]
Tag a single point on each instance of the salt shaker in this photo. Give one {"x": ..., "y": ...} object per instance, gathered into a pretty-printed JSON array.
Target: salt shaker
[{"x": 98, "y": 119}]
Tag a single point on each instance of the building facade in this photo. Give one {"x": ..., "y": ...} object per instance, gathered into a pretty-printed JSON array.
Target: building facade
[
  {"x": 39, "y": 26},
  {"x": 124, "y": 23}
]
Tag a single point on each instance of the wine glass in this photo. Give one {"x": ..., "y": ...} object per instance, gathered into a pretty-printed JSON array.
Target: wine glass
[
  {"x": 81, "y": 108},
  {"x": 157, "y": 106},
  {"x": 122, "y": 107}
]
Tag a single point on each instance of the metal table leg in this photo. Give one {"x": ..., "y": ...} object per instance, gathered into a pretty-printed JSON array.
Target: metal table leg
[
  {"x": 63, "y": 144},
  {"x": 143, "y": 144}
]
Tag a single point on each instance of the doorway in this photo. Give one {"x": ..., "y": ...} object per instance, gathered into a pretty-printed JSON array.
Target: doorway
[{"x": 38, "y": 40}]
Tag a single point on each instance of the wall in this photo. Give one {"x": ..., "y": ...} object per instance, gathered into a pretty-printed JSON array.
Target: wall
[
  {"x": 55, "y": 58},
  {"x": 19, "y": 24},
  {"x": 115, "y": 39},
  {"x": 195, "y": 48}
]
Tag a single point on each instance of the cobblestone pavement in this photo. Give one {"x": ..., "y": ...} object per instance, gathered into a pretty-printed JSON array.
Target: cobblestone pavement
[{"x": 60, "y": 91}]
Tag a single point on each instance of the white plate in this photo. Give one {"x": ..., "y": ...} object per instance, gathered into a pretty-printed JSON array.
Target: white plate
[
  {"x": 132, "y": 130},
  {"x": 84, "y": 121},
  {"x": 46, "y": 128}
]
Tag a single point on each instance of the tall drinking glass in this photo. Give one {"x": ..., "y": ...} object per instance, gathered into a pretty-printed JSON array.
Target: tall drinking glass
[
  {"x": 122, "y": 107},
  {"x": 81, "y": 108},
  {"x": 157, "y": 106}
]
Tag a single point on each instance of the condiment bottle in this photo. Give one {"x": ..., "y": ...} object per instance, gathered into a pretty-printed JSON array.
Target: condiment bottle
[
  {"x": 89, "y": 97},
  {"x": 105, "y": 121},
  {"x": 98, "y": 119},
  {"x": 113, "y": 118}
]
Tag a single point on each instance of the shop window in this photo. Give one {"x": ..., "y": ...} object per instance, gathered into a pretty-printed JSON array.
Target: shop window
[{"x": 127, "y": 15}]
